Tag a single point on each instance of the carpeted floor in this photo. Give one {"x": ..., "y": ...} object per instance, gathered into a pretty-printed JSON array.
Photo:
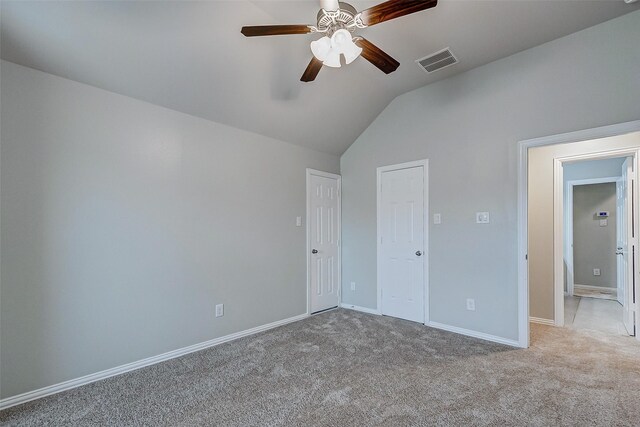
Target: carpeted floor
[{"x": 344, "y": 368}]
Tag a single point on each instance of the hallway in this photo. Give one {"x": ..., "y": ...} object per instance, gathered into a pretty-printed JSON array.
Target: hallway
[{"x": 594, "y": 314}]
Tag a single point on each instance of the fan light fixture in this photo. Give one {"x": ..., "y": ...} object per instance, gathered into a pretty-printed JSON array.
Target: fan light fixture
[{"x": 328, "y": 50}]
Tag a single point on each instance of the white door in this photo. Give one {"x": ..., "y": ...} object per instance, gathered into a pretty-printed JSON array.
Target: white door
[
  {"x": 625, "y": 249},
  {"x": 324, "y": 240},
  {"x": 401, "y": 216}
]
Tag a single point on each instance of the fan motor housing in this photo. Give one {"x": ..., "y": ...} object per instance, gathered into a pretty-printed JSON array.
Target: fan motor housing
[{"x": 343, "y": 18}]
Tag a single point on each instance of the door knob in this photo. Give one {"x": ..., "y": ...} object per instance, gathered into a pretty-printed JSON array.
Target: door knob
[
  {"x": 418, "y": 253},
  {"x": 314, "y": 251}
]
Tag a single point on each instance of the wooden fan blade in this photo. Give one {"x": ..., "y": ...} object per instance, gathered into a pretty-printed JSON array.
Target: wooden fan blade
[
  {"x": 377, "y": 56},
  {"x": 312, "y": 70},
  {"x": 394, "y": 9},
  {"x": 274, "y": 30}
]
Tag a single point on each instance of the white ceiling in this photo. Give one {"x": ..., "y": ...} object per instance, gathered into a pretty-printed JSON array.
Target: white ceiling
[{"x": 191, "y": 57}]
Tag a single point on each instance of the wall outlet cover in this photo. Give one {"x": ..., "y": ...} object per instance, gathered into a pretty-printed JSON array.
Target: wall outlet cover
[
  {"x": 298, "y": 221},
  {"x": 596, "y": 271},
  {"x": 437, "y": 218},
  {"x": 219, "y": 310},
  {"x": 482, "y": 217},
  {"x": 471, "y": 304},
  {"x": 353, "y": 286}
]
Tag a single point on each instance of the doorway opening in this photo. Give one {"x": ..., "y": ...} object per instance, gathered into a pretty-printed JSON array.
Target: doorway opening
[
  {"x": 541, "y": 221},
  {"x": 597, "y": 237}
]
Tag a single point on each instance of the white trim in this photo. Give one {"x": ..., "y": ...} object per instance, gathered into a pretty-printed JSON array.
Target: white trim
[
  {"x": 542, "y": 321},
  {"x": 362, "y": 309},
  {"x": 595, "y": 288},
  {"x": 559, "y": 219},
  {"x": 474, "y": 334},
  {"x": 523, "y": 243},
  {"x": 379, "y": 171},
  {"x": 77, "y": 382},
  {"x": 590, "y": 181},
  {"x": 558, "y": 245},
  {"x": 568, "y": 244},
  {"x": 338, "y": 178},
  {"x": 568, "y": 223}
]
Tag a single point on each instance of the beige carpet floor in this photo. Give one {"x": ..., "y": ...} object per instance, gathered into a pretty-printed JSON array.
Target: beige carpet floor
[{"x": 344, "y": 368}]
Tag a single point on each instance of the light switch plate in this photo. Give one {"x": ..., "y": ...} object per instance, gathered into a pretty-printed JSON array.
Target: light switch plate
[
  {"x": 298, "y": 221},
  {"x": 603, "y": 223},
  {"x": 596, "y": 271},
  {"x": 437, "y": 218},
  {"x": 482, "y": 217},
  {"x": 471, "y": 304}
]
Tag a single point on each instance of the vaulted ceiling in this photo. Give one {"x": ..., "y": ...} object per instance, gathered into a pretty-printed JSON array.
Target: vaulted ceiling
[{"x": 191, "y": 57}]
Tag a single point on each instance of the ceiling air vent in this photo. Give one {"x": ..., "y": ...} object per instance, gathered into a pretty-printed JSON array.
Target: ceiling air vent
[{"x": 437, "y": 61}]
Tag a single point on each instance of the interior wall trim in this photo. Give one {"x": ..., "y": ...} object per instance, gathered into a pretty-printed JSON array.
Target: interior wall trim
[
  {"x": 595, "y": 287},
  {"x": 362, "y": 309},
  {"x": 475, "y": 334},
  {"x": 87, "y": 379},
  {"x": 542, "y": 321}
]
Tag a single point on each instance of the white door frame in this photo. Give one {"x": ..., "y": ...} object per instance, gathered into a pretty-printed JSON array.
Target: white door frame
[
  {"x": 568, "y": 222},
  {"x": 315, "y": 172},
  {"x": 523, "y": 241},
  {"x": 425, "y": 165},
  {"x": 558, "y": 218}
]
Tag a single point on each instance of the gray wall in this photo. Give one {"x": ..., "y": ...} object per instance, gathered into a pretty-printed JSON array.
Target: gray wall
[
  {"x": 468, "y": 127},
  {"x": 124, "y": 223},
  {"x": 594, "y": 246}
]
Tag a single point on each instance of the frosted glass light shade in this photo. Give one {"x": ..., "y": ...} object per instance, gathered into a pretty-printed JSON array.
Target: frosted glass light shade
[
  {"x": 340, "y": 38},
  {"x": 320, "y": 48},
  {"x": 332, "y": 59},
  {"x": 342, "y": 42},
  {"x": 351, "y": 52},
  {"x": 328, "y": 50}
]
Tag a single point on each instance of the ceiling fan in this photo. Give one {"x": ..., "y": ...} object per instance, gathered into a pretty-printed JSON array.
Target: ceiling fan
[{"x": 337, "y": 21}]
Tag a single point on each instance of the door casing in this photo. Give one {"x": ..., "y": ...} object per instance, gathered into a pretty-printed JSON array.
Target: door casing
[
  {"x": 425, "y": 165},
  {"x": 338, "y": 178},
  {"x": 568, "y": 222},
  {"x": 522, "y": 203},
  {"x": 559, "y": 223}
]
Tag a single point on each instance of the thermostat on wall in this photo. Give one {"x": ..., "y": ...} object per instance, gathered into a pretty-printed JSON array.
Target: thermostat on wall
[{"x": 602, "y": 214}]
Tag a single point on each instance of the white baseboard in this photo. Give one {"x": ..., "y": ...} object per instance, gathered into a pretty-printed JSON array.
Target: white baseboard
[
  {"x": 542, "y": 321},
  {"x": 474, "y": 334},
  {"x": 68, "y": 385},
  {"x": 358, "y": 308},
  {"x": 594, "y": 288}
]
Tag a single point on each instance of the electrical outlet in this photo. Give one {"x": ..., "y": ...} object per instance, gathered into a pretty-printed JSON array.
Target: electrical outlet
[
  {"x": 219, "y": 310},
  {"x": 603, "y": 223},
  {"x": 471, "y": 304},
  {"x": 437, "y": 218},
  {"x": 298, "y": 221},
  {"x": 482, "y": 217},
  {"x": 353, "y": 286},
  {"x": 596, "y": 271}
]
